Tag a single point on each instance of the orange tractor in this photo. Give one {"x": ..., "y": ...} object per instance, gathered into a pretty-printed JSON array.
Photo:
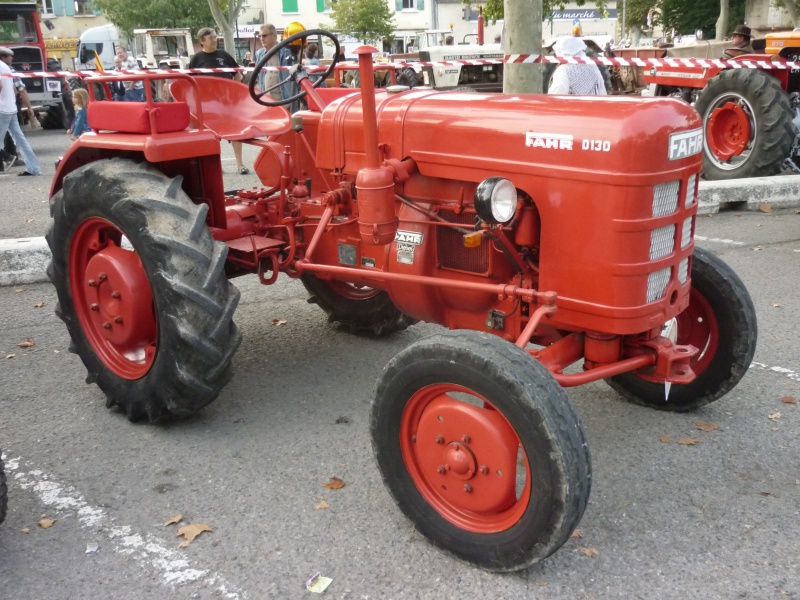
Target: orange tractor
[{"x": 542, "y": 232}]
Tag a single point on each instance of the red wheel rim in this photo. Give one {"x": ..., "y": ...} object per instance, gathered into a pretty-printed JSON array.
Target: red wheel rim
[
  {"x": 465, "y": 460},
  {"x": 353, "y": 291},
  {"x": 728, "y": 131},
  {"x": 113, "y": 299},
  {"x": 698, "y": 326}
]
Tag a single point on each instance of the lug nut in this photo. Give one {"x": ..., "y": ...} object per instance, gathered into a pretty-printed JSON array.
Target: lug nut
[
  {"x": 484, "y": 469},
  {"x": 102, "y": 276},
  {"x": 95, "y": 307},
  {"x": 117, "y": 319},
  {"x": 468, "y": 488},
  {"x": 115, "y": 295},
  {"x": 441, "y": 470},
  {"x": 466, "y": 439},
  {"x": 92, "y": 283},
  {"x": 440, "y": 439},
  {"x": 107, "y": 325}
]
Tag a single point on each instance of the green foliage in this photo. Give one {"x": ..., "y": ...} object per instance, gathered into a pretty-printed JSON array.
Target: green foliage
[
  {"x": 128, "y": 15},
  {"x": 368, "y": 20},
  {"x": 686, "y": 16}
]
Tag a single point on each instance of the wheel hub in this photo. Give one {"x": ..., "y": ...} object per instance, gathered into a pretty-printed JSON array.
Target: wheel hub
[
  {"x": 728, "y": 131},
  {"x": 467, "y": 455}
]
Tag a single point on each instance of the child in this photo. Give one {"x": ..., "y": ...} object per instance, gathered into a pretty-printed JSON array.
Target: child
[{"x": 80, "y": 99}]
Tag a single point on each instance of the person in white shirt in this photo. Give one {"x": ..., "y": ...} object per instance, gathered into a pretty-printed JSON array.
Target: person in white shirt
[
  {"x": 134, "y": 90},
  {"x": 8, "y": 115},
  {"x": 584, "y": 80}
]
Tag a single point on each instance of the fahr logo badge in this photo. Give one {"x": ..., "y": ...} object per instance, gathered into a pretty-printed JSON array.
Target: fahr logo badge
[
  {"x": 553, "y": 141},
  {"x": 685, "y": 143},
  {"x": 408, "y": 237}
]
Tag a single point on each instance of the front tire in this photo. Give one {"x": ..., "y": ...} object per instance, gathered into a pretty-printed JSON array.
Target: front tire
[
  {"x": 721, "y": 322},
  {"x": 358, "y": 309},
  {"x": 142, "y": 289},
  {"x": 481, "y": 450},
  {"x": 747, "y": 123}
]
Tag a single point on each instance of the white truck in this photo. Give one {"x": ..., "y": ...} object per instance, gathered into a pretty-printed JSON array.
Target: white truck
[{"x": 152, "y": 48}]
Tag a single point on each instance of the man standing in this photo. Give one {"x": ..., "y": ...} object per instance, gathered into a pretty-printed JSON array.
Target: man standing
[
  {"x": 585, "y": 80},
  {"x": 270, "y": 80},
  {"x": 740, "y": 41},
  {"x": 210, "y": 57},
  {"x": 8, "y": 115},
  {"x": 134, "y": 90}
]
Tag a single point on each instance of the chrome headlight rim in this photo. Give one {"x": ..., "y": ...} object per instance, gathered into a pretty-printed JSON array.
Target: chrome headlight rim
[{"x": 496, "y": 200}]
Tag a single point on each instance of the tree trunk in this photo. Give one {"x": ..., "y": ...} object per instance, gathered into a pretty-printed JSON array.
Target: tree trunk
[
  {"x": 225, "y": 22},
  {"x": 522, "y": 34},
  {"x": 722, "y": 22},
  {"x": 791, "y": 10}
]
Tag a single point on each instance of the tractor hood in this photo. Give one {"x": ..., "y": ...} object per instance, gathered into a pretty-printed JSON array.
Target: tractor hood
[{"x": 470, "y": 136}]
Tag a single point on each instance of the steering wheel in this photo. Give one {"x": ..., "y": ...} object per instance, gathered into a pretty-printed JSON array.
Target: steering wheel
[{"x": 296, "y": 72}]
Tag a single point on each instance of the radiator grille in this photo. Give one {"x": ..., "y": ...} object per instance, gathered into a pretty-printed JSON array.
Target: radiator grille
[
  {"x": 656, "y": 284},
  {"x": 686, "y": 233},
  {"x": 662, "y": 241},
  {"x": 691, "y": 190},
  {"x": 665, "y": 198},
  {"x": 683, "y": 270},
  {"x": 450, "y": 249}
]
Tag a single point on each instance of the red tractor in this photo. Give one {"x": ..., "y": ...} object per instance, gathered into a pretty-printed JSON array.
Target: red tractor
[
  {"x": 748, "y": 113},
  {"x": 540, "y": 231}
]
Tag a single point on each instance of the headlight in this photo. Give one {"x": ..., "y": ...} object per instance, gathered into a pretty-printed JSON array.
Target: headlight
[{"x": 496, "y": 200}]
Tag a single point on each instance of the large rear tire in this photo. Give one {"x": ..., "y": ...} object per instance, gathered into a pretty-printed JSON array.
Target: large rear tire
[
  {"x": 357, "y": 309},
  {"x": 481, "y": 450},
  {"x": 721, "y": 322},
  {"x": 142, "y": 289},
  {"x": 747, "y": 123}
]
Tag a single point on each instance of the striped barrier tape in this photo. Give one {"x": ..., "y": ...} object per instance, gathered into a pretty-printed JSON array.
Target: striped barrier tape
[{"x": 701, "y": 63}]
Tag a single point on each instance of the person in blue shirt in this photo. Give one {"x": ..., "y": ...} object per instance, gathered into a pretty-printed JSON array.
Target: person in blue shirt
[{"x": 80, "y": 99}]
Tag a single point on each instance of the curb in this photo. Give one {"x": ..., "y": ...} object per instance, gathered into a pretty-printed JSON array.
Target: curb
[{"x": 25, "y": 260}]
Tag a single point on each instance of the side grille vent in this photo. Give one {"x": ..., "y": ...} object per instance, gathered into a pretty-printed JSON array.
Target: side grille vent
[{"x": 450, "y": 250}]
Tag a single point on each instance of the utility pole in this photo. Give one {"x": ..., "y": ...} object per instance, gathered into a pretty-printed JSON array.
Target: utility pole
[{"x": 522, "y": 34}]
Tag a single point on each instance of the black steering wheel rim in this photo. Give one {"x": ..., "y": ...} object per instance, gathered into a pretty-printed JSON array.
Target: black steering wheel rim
[{"x": 297, "y": 74}]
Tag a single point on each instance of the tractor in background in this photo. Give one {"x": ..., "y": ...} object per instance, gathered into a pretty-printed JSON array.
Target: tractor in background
[{"x": 541, "y": 232}]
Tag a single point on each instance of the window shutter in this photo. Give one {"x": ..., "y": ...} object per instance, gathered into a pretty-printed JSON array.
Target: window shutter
[
  {"x": 420, "y": 4},
  {"x": 398, "y": 5},
  {"x": 290, "y": 6},
  {"x": 320, "y": 5}
]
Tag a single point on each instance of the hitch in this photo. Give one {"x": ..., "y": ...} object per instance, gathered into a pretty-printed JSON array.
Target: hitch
[{"x": 672, "y": 361}]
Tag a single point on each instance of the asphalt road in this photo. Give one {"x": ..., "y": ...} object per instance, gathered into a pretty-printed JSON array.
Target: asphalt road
[{"x": 713, "y": 520}]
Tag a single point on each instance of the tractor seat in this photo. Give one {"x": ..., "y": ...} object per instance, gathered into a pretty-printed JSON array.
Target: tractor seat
[{"x": 228, "y": 109}]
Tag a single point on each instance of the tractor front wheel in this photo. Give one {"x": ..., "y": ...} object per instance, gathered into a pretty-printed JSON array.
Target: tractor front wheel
[
  {"x": 720, "y": 321},
  {"x": 142, "y": 289},
  {"x": 747, "y": 121},
  {"x": 481, "y": 450},
  {"x": 358, "y": 309}
]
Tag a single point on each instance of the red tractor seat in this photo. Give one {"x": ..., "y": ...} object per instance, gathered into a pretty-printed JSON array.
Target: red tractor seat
[
  {"x": 134, "y": 117},
  {"x": 228, "y": 110}
]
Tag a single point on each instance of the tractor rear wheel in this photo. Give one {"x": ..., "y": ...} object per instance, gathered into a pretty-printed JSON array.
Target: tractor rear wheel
[
  {"x": 142, "y": 289},
  {"x": 481, "y": 450},
  {"x": 3, "y": 490},
  {"x": 720, "y": 321},
  {"x": 357, "y": 309},
  {"x": 747, "y": 122}
]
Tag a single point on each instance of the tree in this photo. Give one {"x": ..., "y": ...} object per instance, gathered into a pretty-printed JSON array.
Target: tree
[
  {"x": 687, "y": 16},
  {"x": 370, "y": 21},
  {"x": 128, "y": 15},
  {"x": 225, "y": 13}
]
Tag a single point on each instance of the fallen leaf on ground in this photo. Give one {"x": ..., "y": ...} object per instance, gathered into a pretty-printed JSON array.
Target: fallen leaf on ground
[
  {"x": 765, "y": 207},
  {"x": 706, "y": 425},
  {"x": 322, "y": 504},
  {"x": 756, "y": 248},
  {"x": 29, "y": 220},
  {"x": 664, "y": 439},
  {"x": 278, "y": 322},
  {"x": 18, "y": 290},
  {"x": 775, "y": 416},
  {"x": 773, "y": 494},
  {"x": 39, "y": 305},
  {"x": 688, "y": 441},
  {"x": 588, "y": 551},
  {"x": 173, "y": 520},
  {"x": 776, "y": 306},
  {"x": 25, "y": 530},
  {"x": 789, "y": 400},
  {"x": 10, "y": 355},
  {"x": 190, "y": 532},
  {"x": 342, "y": 420},
  {"x": 334, "y": 484},
  {"x": 27, "y": 343},
  {"x": 576, "y": 534},
  {"x": 47, "y": 523}
]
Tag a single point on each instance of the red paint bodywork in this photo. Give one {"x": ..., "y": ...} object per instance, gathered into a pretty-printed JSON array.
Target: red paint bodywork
[{"x": 574, "y": 262}]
